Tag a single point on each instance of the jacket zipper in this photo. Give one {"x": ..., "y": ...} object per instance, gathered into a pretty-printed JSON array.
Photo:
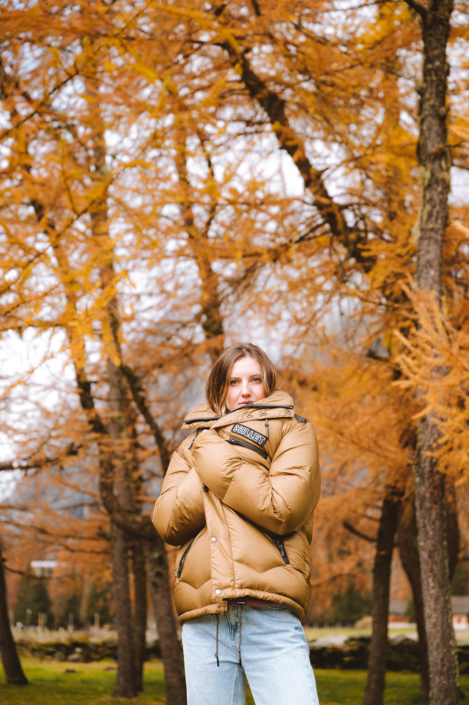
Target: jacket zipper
[
  {"x": 279, "y": 542},
  {"x": 203, "y": 428},
  {"x": 245, "y": 444},
  {"x": 183, "y": 559}
]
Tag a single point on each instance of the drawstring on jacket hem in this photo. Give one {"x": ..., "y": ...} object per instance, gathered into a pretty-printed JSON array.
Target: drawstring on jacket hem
[
  {"x": 240, "y": 623},
  {"x": 240, "y": 613},
  {"x": 216, "y": 642}
]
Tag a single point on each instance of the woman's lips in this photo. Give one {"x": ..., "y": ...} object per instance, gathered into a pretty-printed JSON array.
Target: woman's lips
[{"x": 242, "y": 403}]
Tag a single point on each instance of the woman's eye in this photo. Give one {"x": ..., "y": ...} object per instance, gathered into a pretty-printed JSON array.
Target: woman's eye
[
  {"x": 257, "y": 379},
  {"x": 233, "y": 382}
]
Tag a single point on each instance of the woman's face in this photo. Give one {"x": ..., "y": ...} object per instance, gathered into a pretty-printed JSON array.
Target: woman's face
[{"x": 245, "y": 383}]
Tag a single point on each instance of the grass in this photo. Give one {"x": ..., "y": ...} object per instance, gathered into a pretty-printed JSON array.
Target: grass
[
  {"x": 92, "y": 684},
  {"x": 318, "y": 633},
  {"x": 347, "y": 688}
]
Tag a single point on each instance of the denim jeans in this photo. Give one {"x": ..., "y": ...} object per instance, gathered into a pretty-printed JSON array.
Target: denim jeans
[{"x": 274, "y": 658}]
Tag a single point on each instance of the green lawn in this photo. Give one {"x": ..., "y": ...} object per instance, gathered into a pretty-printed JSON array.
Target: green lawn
[{"x": 92, "y": 684}]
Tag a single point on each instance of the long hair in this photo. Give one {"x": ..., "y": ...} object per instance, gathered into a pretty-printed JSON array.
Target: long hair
[{"x": 217, "y": 383}]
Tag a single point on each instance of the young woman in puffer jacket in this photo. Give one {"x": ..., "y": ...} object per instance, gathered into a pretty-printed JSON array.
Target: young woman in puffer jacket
[{"x": 238, "y": 498}]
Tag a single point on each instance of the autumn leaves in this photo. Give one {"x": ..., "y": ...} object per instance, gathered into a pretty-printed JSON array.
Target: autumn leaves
[{"x": 177, "y": 175}]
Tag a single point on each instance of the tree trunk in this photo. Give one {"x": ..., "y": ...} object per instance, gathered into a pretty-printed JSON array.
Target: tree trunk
[
  {"x": 436, "y": 588},
  {"x": 85, "y": 600},
  {"x": 171, "y": 651},
  {"x": 127, "y": 661},
  {"x": 409, "y": 553},
  {"x": 435, "y": 160},
  {"x": 410, "y": 559},
  {"x": 11, "y": 662},
  {"x": 122, "y": 478},
  {"x": 116, "y": 467},
  {"x": 129, "y": 665},
  {"x": 126, "y": 681},
  {"x": 374, "y": 691},
  {"x": 211, "y": 318},
  {"x": 140, "y": 608}
]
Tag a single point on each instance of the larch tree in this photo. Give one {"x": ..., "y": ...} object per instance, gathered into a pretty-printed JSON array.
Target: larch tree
[
  {"x": 48, "y": 214},
  {"x": 71, "y": 208},
  {"x": 435, "y": 159}
]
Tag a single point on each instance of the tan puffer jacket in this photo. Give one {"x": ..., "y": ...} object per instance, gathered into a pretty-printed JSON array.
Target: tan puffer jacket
[{"x": 239, "y": 500}]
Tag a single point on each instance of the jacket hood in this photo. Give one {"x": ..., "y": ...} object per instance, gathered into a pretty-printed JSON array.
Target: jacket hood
[{"x": 203, "y": 415}]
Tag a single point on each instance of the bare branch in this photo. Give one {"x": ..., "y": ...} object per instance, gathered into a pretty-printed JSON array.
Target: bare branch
[
  {"x": 357, "y": 532},
  {"x": 140, "y": 400}
]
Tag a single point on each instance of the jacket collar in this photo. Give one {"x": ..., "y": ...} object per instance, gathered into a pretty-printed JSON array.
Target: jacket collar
[
  {"x": 201, "y": 416},
  {"x": 278, "y": 405}
]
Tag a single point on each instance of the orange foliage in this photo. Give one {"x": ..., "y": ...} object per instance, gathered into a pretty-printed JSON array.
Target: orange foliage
[{"x": 213, "y": 172}]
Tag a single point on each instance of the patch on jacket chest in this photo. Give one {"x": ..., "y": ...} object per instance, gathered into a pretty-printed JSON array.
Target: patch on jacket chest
[{"x": 249, "y": 433}]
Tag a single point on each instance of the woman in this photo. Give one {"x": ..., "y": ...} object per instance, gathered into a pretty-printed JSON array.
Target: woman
[{"x": 238, "y": 498}]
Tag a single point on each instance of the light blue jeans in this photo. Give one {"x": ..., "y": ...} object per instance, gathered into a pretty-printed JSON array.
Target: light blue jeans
[{"x": 274, "y": 658}]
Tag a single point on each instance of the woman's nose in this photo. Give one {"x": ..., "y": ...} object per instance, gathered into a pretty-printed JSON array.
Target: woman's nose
[{"x": 245, "y": 391}]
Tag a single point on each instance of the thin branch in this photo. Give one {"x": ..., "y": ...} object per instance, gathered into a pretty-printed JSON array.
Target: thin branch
[
  {"x": 29, "y": 464},
  {"x": 140, "y": 400},
  {"x": 358, "y": 533}
]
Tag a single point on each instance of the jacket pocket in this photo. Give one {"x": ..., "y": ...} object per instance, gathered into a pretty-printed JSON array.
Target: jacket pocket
[
  {"x": 277, "y": 540},
  {"x": 183, "y": 559}
]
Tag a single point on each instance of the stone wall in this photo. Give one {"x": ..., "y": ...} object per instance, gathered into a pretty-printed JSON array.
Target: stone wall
[{"x": 353, "y": 653}]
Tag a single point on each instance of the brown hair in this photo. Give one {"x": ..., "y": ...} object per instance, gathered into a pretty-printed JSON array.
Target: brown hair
[{"x": 217, "y": 383}]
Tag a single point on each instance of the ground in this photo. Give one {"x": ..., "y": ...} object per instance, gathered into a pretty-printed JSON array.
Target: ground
[
  {"x": 92, "y": 683},
  {"x": 65, "y": 683}
]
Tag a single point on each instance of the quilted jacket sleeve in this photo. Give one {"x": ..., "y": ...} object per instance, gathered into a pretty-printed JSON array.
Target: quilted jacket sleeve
[
  {"x": 178, "y": 514},
  {"x": 279, "y": 501}
]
